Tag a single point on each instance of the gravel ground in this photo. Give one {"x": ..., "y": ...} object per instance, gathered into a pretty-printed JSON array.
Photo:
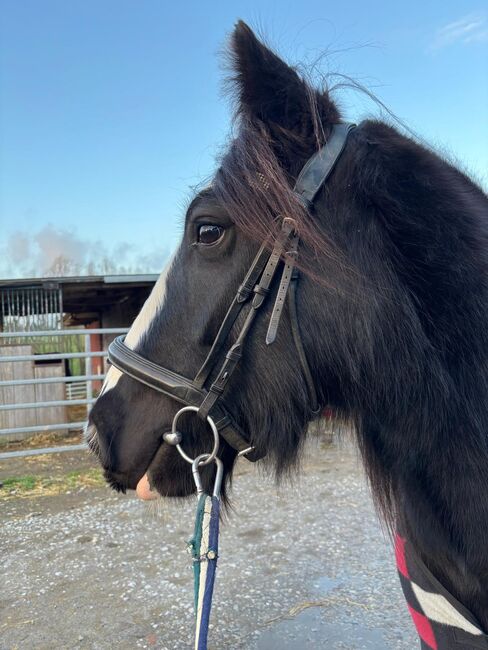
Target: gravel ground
[{"x": 301, "y": 566}]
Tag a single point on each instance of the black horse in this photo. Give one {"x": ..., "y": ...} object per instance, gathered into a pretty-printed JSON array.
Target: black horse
[{"x": 393, "y": 312}]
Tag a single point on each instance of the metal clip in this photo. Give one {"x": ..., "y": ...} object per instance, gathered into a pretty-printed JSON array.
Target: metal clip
[{"x": 200, "y": 460}]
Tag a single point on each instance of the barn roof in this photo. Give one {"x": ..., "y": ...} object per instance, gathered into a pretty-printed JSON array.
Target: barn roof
[{"x": 83, "y": 297}]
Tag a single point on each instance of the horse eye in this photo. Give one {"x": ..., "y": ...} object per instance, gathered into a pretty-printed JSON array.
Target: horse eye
[{"x": 209, "y": 233}]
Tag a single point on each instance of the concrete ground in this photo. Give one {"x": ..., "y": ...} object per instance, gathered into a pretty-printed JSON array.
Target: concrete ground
[{"x": 302, "y": 566}]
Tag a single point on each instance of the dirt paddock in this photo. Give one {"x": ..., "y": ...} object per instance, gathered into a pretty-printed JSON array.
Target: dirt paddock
[{"x": 302, "y": 566}]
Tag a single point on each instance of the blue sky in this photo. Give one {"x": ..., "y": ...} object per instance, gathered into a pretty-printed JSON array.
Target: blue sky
[{"x": 111, "y": 110}]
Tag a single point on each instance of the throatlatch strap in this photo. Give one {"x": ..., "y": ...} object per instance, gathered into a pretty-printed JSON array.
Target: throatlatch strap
[{"x": 295, "y": 330}]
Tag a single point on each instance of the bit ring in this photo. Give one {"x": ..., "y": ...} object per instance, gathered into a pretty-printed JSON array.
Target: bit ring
[{"x": 209, "y": 457}]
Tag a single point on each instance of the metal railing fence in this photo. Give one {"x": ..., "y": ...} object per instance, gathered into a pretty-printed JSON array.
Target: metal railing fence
[{"x": 78, "y": 389}]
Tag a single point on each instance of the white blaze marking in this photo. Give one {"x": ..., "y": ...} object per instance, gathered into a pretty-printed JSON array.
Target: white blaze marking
[{"x": 142, "y": 322}]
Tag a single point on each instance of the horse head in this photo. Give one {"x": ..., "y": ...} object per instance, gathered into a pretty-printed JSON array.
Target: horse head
[
  {"x": 281, "y": 120},
  {"x": 392, "y": 310}
]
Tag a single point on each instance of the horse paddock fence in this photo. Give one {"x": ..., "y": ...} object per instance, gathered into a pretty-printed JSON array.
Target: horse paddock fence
[{"x": 48, "y": 382}]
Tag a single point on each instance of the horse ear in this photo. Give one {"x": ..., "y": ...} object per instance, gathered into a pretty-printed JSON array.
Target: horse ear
[{"x": 271, "y": 90}]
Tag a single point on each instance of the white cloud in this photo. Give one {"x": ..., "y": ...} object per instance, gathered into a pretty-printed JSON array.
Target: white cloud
[
  {"x": 472, "y": 28},
  {"x": 56, "y": 251}
]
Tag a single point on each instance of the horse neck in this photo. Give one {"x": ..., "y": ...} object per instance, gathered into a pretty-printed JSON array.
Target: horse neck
[{"x": 422, "y": 398}]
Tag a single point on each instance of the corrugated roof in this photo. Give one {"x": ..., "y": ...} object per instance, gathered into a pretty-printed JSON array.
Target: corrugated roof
[{"x": 78, "y": 279}]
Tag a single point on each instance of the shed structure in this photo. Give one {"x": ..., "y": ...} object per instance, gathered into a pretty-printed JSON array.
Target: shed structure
[{"x": 65, "y": 368}]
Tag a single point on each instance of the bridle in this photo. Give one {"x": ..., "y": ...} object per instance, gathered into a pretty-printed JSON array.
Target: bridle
[
  {"x": 207, "y": 402},
  {"x": 254, "y": 291}
]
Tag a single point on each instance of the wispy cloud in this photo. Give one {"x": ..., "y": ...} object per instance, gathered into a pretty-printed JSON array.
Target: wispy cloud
[
  {"x": 55, "y": 251},
  {"x": 472, "y": 28}
]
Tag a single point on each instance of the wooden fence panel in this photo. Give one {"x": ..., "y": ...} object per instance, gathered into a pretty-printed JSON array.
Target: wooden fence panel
[
  {"x": 50, "y": 393},
  {"x": 17, "y": 394}
]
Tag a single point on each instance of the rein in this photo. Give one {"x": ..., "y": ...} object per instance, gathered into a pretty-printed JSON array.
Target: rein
[{"x": 206, "y": 402}]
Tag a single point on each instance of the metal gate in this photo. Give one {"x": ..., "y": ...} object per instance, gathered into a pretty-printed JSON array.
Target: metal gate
[
  {"x": 27, "y": 309},
  {"x": 37, "y": 378}
]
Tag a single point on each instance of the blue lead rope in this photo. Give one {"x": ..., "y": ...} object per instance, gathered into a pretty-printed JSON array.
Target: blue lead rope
[{"x": 204, "y": 548}]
